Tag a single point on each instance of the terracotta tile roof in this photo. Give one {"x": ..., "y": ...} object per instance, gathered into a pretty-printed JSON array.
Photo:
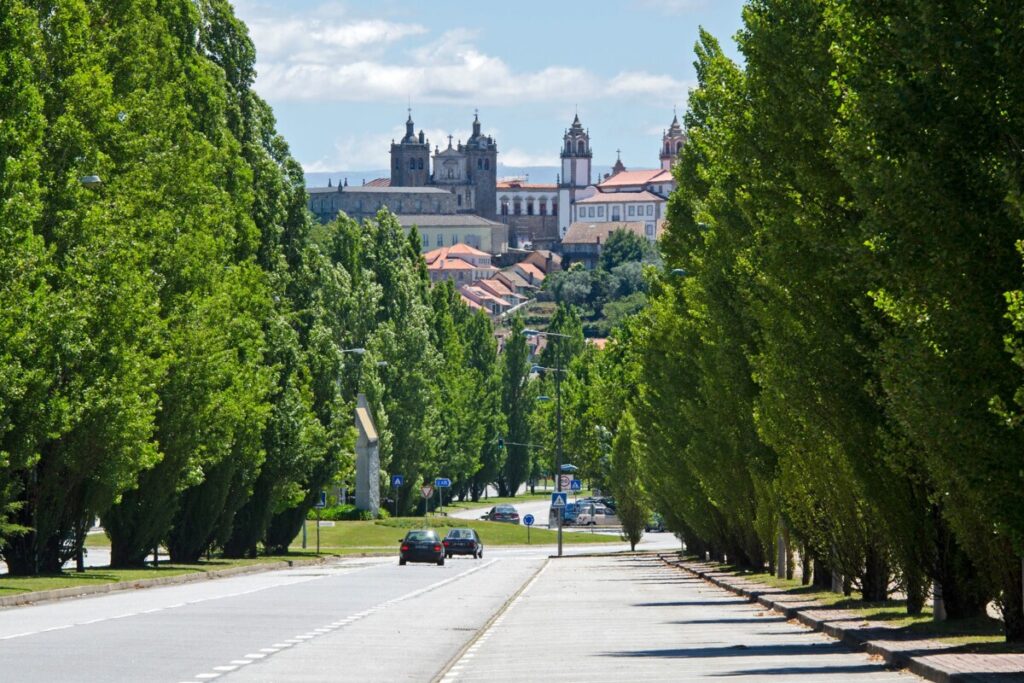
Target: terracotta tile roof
[
  {"x": 531, "y": 270},
  {"x": 379, "y": 182},
  {"x": 627, "y": 178},
  {"x": 459, "y": 249},
  {"x": 621, "y": 198},
  {"x": 450, "y": 264},
  {"x": 514, "y": 279},
  {"x": 591, "y": 233},
  {"x": 597, "y": 342},
  {"x": 496, "y": 287}
]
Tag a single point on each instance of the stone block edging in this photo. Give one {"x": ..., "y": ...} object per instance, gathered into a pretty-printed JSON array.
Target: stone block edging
[
  {"x": 84, "y": 591},
  {"x": 929, "y": 670}
]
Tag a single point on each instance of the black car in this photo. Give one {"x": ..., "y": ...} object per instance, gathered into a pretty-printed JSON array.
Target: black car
[
  {"x": 503, "y": 513},
  {"x": 421, "y": 545},
  {"x": 463, "y": 542}
]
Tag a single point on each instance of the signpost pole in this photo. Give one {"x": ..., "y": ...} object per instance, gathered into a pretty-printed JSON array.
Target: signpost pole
[{"x": 318, "y": 531}]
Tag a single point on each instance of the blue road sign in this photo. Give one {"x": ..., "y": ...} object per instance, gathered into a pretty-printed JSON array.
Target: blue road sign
[
  {"x": 397, "y": 480},
  {"x": 322, "y": 503},
  {"x": 442, "y": 483},
  {"x": 559, "y": 499},
  {"x": 576, "y": 485},
  {"x": 528, "y": 520}
]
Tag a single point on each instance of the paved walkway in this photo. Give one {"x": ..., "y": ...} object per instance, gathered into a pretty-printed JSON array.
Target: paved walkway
[
  {"x": 623, "y": 617},
  {"x": 931, "y": 659}
]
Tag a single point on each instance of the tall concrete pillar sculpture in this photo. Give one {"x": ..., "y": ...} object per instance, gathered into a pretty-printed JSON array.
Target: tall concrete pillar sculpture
[{"x": 367, "y": 459}]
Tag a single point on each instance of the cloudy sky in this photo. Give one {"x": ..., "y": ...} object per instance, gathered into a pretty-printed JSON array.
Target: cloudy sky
[{"x": 340, "y": 74}]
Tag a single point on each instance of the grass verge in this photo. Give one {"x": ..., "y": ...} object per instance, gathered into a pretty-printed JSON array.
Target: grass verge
[{"x": 979, "y": 634}]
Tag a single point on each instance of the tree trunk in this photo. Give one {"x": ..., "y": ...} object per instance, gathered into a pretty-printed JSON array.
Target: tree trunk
[
  {"x": 822, "y": 575},
  {"x": 1011, "y": 601},
  {"x": 805, "y": 567},
  {"x": 875, "y": 582}
]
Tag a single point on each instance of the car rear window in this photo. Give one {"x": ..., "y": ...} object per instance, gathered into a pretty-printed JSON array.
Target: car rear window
[{"x": 420, "y": 536}]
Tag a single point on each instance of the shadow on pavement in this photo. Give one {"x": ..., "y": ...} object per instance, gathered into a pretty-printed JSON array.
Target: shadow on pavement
[
  {"x": 793, "y": 650},
  {"x": 864, "y": 669},
  {"x": 751, "y": 620},
  {"x": 691, "y": 603}
]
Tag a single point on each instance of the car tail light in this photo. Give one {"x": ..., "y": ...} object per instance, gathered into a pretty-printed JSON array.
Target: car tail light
[
  {"x": 446, "y": 543},
  {"x": 437, "y": 547},
  {"x": 405, "y": 547}
]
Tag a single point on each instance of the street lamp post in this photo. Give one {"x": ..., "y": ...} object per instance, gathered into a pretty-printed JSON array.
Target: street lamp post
[{"x": 558, "y": 420}]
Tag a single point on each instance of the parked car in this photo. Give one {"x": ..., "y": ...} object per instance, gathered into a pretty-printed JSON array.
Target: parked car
[
  {"x": 569, "y": 513},
  {"x": 463, "y": 542},
  {"x": 502, "y": 513},
  {"x": 655, "y": 523},
  {"x": 421, "y": 545},
  {"x": 596, "y": 515}
]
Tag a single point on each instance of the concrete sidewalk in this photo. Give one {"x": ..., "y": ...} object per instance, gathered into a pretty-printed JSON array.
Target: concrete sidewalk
[
  {"x": 933, "y": 660},
  {"x": 632, "y": 617}
]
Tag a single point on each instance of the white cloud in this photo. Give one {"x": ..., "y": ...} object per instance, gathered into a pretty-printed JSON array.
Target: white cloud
[
  {"x": 659, "y": 86},
  {"x": 326, "y": 55},
  {"x": 319, "y": 41}
]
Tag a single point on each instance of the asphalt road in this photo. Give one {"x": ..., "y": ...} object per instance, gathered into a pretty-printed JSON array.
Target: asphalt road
[{"x": 371, "y": 620}]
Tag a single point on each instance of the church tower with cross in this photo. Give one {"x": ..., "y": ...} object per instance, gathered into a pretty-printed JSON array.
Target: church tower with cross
[
  {"x": 482, "y": 169},
  {"x": 410, "y": 158}
]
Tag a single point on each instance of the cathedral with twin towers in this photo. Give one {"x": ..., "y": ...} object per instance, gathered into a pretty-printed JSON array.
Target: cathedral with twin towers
[{"x": 454, "y": 195}]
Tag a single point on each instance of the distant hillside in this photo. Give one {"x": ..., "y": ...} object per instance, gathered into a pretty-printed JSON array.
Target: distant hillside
[{"x": 535, "y": 174}]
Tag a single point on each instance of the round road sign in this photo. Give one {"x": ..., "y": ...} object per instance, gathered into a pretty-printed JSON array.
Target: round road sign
[{"x": 528, "y": 520}]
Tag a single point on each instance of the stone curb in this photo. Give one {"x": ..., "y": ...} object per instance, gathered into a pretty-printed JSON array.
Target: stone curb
[
  {"x": 85, "y": 591},
  {"x": 850, "y": 637}
]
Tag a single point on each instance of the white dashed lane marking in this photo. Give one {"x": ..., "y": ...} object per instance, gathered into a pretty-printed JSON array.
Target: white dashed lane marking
[{"x": 306, "y": 637}]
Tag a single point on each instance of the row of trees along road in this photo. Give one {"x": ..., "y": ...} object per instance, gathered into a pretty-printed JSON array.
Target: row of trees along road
[
  {"x": 173, "y": 343},
  {"x": 839, "y": 365}
]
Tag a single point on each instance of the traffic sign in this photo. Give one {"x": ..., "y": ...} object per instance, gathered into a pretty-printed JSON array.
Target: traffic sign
[
  {"x": 397, "y": 480},
  {"x": 427, "y": 490},
  {"x": 528, "y": 520},
  {"x": 322, "y": 503},
  {"x": 558, "y": 499},
  {"x": 566, "y": 479},
  {"x": 576, "y": 485},
  {"x": 442, "y": 482}
]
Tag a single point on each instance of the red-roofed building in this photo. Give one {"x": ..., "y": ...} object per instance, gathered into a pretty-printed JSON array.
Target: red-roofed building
[
  {"x": 639, "y": 206},
  {"x": 460, "y": 263}
]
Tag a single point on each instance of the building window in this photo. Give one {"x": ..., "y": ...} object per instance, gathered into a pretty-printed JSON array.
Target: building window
[
  {"x": 426, "y": 242},
  {"x": 455, "y": 239},
  {"x": 529, "y": 207},
  {"x": 554, "y": 208},
  {"x": 437, "y": 207},
  {"x": 600, "y": 212},
  {"x": 487, "y": 164},
  {"x": 650, "y": 209},
  {"x": 543, "y": 207},
  {"x": 440, "y": 240},
  {"x": 458, "y": 198},
  {"x": 412, "y": 164},
  {"x": 650, "y": 229},
  {"x": 568, "y": 147},
  {"x": 517, "y": 206},
  {"x": 581, "y": 147},
  {"x": 419, "y": 205},
  {"x": 359, "y": 205},
  {"x": 616, "y": 216},
  {"x": 632, "y": 210},
  {"x": 479, "y": 163},
  {"x": 398, "y": 207},
  {"x": 504, "y": 207}
]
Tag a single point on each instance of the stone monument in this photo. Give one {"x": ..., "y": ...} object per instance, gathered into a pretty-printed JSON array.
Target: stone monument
[{"x": 367, "y": 459}]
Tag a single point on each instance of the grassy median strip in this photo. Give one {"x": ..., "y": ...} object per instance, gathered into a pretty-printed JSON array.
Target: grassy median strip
[{"x": 14, "y": 585}]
